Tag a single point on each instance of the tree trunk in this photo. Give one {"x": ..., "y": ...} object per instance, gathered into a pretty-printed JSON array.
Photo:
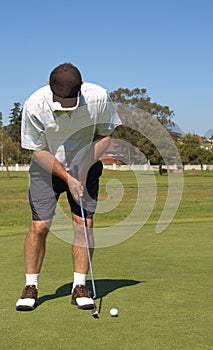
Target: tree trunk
[
  {"x": 7, "y": 168},
  {"x": 202, "y": 171}
]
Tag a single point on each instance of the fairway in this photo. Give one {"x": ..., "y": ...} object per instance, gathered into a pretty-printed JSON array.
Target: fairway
[{"x": 161, "y": 284}]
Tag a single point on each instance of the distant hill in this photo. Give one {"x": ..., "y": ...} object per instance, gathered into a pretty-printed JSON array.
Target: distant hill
[
  {"x": 176, "y": 129},
  {"x": 208, "y": 134}
]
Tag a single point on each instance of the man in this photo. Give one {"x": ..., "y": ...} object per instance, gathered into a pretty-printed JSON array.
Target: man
[{"x": 67, "y": 125}]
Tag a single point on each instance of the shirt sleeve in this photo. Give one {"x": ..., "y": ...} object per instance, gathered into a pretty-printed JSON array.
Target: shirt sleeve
[
  {"x": 108, "y": 118},
  {"x": 32, "y": 131}
]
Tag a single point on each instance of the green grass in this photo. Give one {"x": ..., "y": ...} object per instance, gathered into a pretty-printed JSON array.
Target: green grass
[{"x": 161, "y": 283}]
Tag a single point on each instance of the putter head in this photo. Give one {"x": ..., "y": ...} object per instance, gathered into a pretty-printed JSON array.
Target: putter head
[{"x": 95, "y": 313}]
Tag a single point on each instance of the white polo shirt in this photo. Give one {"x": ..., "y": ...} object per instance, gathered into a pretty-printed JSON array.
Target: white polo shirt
[{"x": 67, "y": 134}]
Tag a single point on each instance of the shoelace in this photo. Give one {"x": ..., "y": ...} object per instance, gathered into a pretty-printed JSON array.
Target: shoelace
[
  {"x": 29, "y": 292},
  {"x": 82, "y": 291}
]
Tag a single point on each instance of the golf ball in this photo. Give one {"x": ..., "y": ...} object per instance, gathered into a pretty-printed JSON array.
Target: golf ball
[{"x": 114, "y": 312}]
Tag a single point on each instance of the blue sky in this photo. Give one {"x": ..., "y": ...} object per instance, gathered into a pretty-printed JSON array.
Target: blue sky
[{"x": 165, "y": 46}]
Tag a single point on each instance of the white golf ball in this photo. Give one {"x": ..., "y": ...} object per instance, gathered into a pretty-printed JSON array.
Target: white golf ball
[{"x": 114, "y": 312}]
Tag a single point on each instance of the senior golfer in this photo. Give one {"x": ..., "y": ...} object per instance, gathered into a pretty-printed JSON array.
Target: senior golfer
[{"x": 66, "y": 124}]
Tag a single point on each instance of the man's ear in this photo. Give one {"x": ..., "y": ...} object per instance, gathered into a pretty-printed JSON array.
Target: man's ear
[{"x": 48, "y": 82}]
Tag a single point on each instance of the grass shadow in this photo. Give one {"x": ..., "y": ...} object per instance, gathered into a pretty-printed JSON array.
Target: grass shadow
[
  {"x": 103, "y": 287},
  {"x": 106, "y": 286}
]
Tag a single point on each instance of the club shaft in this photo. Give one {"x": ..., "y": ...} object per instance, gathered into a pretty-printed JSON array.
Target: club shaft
[{"x": 87, "y": 246}]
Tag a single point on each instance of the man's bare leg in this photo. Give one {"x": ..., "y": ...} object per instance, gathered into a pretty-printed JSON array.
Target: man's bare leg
[
  {"x": 34, "y": 251},
  {"x": 79, "y": 250},
  {"x": 34, "y": 246}
]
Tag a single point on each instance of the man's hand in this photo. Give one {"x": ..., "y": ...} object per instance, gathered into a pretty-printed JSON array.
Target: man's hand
[{"x": 75, "y": 187}]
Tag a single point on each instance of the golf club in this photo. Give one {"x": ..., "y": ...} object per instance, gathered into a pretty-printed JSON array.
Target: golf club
[{"x": 95, "y": 311}]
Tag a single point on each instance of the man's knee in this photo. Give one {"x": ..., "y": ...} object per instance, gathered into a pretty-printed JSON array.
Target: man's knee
[{"x": 40, "y": 228}]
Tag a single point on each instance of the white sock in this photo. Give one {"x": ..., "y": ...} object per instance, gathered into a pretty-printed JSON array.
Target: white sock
[
  {"x": 79, "y": 278},
  {"x": 32, "y": 279}
]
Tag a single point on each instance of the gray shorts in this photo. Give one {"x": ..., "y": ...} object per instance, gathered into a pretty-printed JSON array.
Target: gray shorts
[{"x": 45, "y": 190}]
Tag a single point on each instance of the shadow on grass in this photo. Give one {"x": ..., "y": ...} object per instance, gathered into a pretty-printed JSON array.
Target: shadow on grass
[{"x": 103, "y": 288}]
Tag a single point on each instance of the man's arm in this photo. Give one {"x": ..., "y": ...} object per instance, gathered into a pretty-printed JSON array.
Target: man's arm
[
  {"x": 51, "y": 164},
  {"x": 98, "y": 147}
]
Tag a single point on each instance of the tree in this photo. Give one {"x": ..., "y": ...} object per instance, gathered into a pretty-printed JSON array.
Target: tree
[
  {"x": 10, "y": 138},
  {"x": 189, "y": 148},
  {"x": 1, "y": 122},
  {"x": 140, "y": 106},
  {"x": 203, "y": 157},
  {"x": 139, "y": 98},
  {"x": 192, "y": 153},
  {"x": 11, "y": 149},
  {"x": 14, "y": 127}
]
